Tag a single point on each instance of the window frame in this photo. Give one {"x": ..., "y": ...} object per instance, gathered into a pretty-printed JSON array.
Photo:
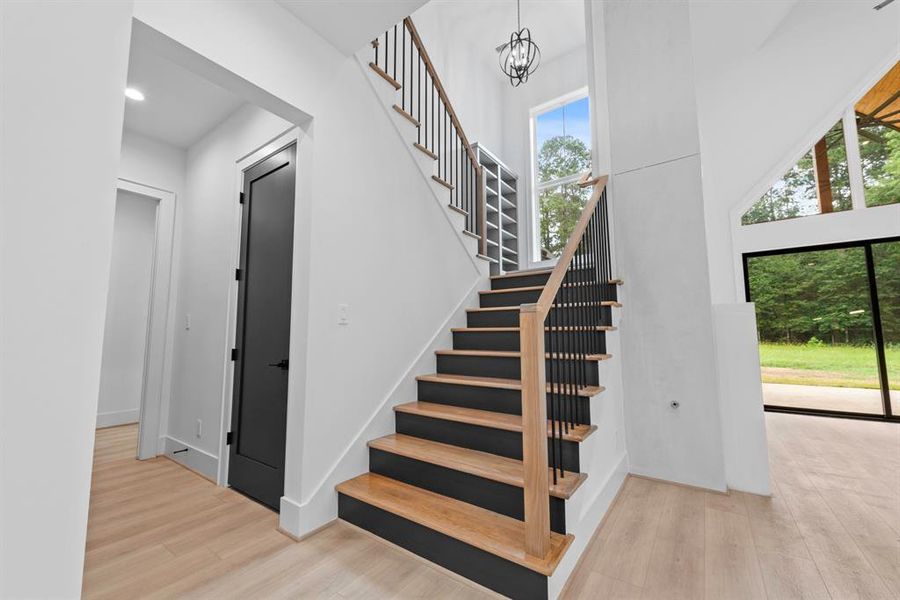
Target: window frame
[
  {"x": 536, "y": 187},
  {"x": 888, "y": 410}
]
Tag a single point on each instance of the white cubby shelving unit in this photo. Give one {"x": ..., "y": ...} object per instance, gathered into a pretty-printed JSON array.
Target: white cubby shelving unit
[{"x": 502, "y": 205}]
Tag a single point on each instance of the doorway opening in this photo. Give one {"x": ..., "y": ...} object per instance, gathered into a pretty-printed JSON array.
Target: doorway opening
[
  {"x": 128, "y": 310},
  {"x": 193, "y": 136},
  {"x": 829, "y": 328}
]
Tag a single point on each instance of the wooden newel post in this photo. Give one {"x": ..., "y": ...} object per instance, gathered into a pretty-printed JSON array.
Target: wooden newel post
[
  {"x": 534, "y": 431},
  {"x": 482, "y": 208}
]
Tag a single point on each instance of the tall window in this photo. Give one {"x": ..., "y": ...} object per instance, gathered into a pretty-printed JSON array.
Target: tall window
[
  {"x": 878, "y": 126},
  {"x": 820, "y": 182},
  {"x": 562, "y": 151}
]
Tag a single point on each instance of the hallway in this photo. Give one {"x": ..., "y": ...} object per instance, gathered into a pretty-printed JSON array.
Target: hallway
[{"x": 832, "y": 530}]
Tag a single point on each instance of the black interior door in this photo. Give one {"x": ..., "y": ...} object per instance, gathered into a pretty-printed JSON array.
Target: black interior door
[{"x": 259, "y": 407}]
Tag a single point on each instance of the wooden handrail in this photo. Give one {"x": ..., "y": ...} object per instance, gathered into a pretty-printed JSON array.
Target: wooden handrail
[
  {"x": 534, "y": 389},
  {"x": 442, "y": 94},
  {"x": 440, "y": 88},
  {"x": 565, "y": 259}
]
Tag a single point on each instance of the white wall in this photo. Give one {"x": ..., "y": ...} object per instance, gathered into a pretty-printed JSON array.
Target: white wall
[
  {"x": 668, "y": 350},
  {"x": 377, "y": 239},
  {"x": 764, "y": 99},
  {"x": 473, "y": 84},
  {"x": 351, "y": 24},
  {"x": 127, "y": 310},
  {"x": 208, "y": 239},
  {"x": 553, "y": 79},
  {"x": 61, "y": 124},
  {"x": 152, "y": 163}
]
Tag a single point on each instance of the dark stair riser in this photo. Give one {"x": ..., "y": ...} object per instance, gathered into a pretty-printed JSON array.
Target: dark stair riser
[
  {"x": 510, "y": 318},
  {"x": 511, "y": 368},
  {"x": 502, "y": 576},
  {"x": 493, "y": 399},
  {"x": 505, "y": 283},
  {"x": 594, "y": 341},
  {"x": 495, "y": 496},
  {"x": 486, "y": 439},
  {"x": 509, "y": 298},
  {"x": 516, "y": 298}
]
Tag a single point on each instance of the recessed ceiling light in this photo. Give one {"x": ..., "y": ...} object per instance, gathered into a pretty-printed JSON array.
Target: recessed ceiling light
[{"x": 134, "y": 94}]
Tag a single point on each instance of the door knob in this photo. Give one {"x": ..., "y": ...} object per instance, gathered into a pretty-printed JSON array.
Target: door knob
[{"x": 283, "y": 364}]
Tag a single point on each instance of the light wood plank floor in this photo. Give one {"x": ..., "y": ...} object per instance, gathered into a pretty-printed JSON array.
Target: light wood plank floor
[{"x": 832, "y": 530}]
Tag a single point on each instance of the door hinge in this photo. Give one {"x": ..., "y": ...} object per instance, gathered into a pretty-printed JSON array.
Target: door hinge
[
  {"x": 229, "y": 437},
  {"x": 234, "y": 354},
  {"x": 237, "y": 274},
  {"x": 241, "y": 197}
]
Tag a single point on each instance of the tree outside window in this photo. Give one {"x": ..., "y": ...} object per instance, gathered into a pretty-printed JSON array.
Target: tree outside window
[{"x": 563, "y": 156}]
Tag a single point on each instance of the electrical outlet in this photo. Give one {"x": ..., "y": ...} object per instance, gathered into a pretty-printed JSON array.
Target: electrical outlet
[
  {"x": 199, "y": 427},
  {"x": 343, "y": 314}
]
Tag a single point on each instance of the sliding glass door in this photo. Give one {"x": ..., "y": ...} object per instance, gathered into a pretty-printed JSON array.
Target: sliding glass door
[
  {"x": 886, "y": 268},
  {"x": 829, "y": 327}
]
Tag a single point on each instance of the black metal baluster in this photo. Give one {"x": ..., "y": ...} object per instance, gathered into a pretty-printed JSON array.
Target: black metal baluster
[
  {"x": 552, "y": 397},
  {"x": 556, "y": 384},
  {"x": 395, "y": 52},
  {"x": 419, "y": 95},
  {"x": 582, "y": 318},
  {"x": 403, "y": 68},
  {"x": 607, "y": 262},
  {"x": 433, "y": 145},
  {"x": 573, "y": 345},
  {"x": 579, "y": 332},
  {"x": 385, "y": 52}
]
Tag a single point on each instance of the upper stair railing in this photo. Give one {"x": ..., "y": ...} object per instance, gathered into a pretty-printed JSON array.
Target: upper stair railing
[
  {"x": 401, "y": 59},
  {"x": 564, "y": 325}
]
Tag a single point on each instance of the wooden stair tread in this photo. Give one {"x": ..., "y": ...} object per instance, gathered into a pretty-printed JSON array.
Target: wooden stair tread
[
  {"x": 406, "y": 115},
  {"x": 425, "y": 150},
  {"x": 446, "y": 184},
  {"x": 539, "y": 271},
  {"x": 474, "y": 462},
  {"x": 523, "y": 273},
  {"x": 498, "y": 382},
  {"x": 517, "y": 307},
  {"x": 616, "y": 282},
  {"x": 486, "y": 418},
  {"x": 533, "y": 288},
  {"x": 484, "y": 529},
  {"x": 396, "y": 84},
  {"x": 508, "y": 329},
  {"x": 516, "y": 354}
]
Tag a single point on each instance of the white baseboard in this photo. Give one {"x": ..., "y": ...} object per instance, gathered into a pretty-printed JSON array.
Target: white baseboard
[
  {"x": 195, "y": 459},
  {"x": 118, "y": 417}
]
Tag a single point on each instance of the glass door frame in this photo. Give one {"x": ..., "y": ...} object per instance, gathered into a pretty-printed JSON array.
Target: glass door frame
[{"x": 878, "y": 331}]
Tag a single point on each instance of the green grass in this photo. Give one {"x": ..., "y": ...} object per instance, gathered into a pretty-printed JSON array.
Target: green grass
[{"x": 841, "y": 366}]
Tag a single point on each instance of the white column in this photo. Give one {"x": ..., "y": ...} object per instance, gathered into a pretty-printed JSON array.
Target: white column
[{"x": 854, "y": 162}]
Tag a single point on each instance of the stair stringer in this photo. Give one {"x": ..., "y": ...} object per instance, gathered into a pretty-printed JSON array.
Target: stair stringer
[
  {"x": 604, "y": 458},
  {"x": 300, "y": 519},
  {"x": 388, "y": 96}
]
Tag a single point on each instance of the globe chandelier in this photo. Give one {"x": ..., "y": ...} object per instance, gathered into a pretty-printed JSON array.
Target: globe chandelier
[{"x": 519, "y": 57}]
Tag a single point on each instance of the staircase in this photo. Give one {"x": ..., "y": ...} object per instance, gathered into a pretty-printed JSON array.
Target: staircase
[
  {"x": 449, "y": 484},
  {"x": 479, "y": 469}
]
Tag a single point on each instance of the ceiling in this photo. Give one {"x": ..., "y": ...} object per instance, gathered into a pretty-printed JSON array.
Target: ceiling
[
  {"x": 557, "y": 27},
  {"x": 882, "y": 102},
  {"x": 350, "y": 24},
  {"x": 180, "y": 106}
]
